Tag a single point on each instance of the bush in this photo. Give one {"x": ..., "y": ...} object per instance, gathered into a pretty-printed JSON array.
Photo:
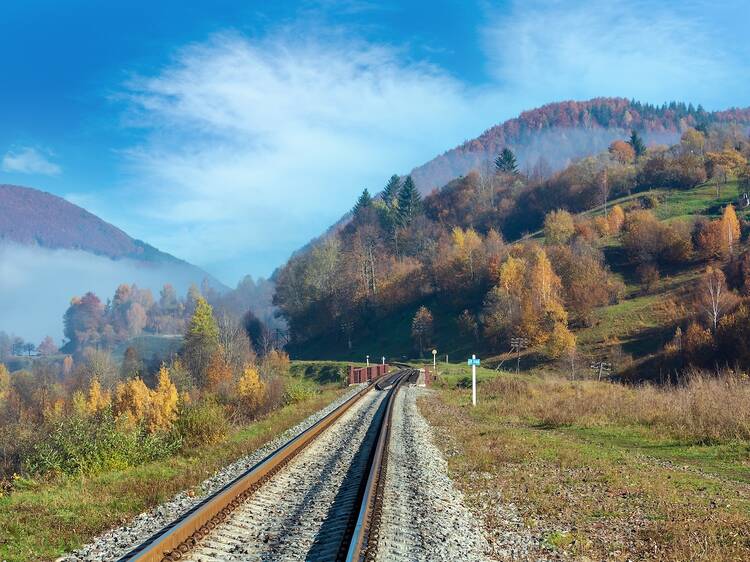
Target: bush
[
  {"x": 299, "y": 390},
  {"x": 202, "y": 424},
  {"x": 90, "y": 445}
]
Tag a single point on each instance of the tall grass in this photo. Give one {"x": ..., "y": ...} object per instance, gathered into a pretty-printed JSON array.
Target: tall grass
[{"x": 705, "y": 409}]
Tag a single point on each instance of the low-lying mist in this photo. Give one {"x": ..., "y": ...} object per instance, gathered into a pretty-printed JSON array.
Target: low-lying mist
[{"x": 36, "y": 285}]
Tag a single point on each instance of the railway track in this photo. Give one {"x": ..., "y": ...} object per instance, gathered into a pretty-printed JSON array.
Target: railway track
[{"x": 317, "y": 497}]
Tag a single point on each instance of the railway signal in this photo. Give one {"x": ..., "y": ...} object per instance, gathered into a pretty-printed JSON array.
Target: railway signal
[
  {"x": 473, "y": 362},
  {"x": 517, "y": 344},
  {"x": 601, "y": 368}
]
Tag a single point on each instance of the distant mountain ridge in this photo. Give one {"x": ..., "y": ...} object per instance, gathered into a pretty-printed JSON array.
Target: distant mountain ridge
[
  {"x": 555, "y": 134},
  {"x": 32, "y": 217}
]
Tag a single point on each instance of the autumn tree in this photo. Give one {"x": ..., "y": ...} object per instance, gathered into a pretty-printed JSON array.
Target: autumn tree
[
  {"x": 132, "y": 399},
  {"x": 730, "y": 228},
  {"x": 693, "y": 141},
  {"x": 4, "y": 383},
  {"x": 506, "y": 162},
  {"x": 467, "y": 245},
  {"x": 201, "y": 342},
  {"x": 47, "y": 347},
  {"x": 713, "y": 297},
  {"x": 559, "y": 227},
  {"x": 162, "y": 411},
  {"x": 83, "y": 321},
  {"x": 250, "y": 389},
  {"x": 132, "y": 365},
  {"x": 622, "y": 152},
  {"x": 97, "y": 398},
  {"x": 616, "y": 219},
  {"x": 421, "y": 328}
]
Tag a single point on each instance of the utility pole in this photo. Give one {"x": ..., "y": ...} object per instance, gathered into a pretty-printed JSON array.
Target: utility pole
[
  {"x": 518, "y": 343},
  {"x": 601, "y": 368}
]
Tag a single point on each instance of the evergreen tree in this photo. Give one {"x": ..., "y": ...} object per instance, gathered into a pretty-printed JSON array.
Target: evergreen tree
[
  {"x": 506, "y": 162},
  {"x": 390, "y": 192},
  {"x": 636, "y": 142},
  {"x": 364, "y": 201},
  {"x": 409, "y": 201}
]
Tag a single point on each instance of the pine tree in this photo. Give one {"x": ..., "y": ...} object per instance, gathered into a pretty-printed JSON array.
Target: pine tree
[
  {"x": 636, "y": 142},
  {"x": 364, "y": 201},
  {"x": 390, "y": 192},
  {"x": 506, "y": 162},
  {"x": 409, "y": 201}
]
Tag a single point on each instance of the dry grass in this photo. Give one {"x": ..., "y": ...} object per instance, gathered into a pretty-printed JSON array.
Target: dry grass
[
  {"x": 601, "y": 471},
  {"x": 705, "y": 409}
]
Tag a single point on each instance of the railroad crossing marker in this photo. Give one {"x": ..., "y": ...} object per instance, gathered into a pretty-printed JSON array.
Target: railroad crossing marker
[
  {"x": 473, "y": 362},
  {"x": 600, "y": 368}
]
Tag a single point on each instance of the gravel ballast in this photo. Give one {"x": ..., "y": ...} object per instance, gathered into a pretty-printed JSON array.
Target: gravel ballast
[
  {"x": 117, "y": 542},
  {"x": 424, "y": 516}
]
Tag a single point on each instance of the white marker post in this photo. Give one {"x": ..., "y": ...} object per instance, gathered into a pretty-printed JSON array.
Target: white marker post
[
  {"x": 434, "y": 356},
  {"x": 368, "y": 360},
  {"x": 383, "y": 359},
  {"x": 473, "y": 362}
]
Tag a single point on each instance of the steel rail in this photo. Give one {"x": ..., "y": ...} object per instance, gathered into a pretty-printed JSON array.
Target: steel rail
[
  {"x": 171, "y": 542},
  {"x": 359, "y": 542}
]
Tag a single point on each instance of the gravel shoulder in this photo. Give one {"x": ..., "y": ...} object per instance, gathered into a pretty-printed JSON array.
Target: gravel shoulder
[
  {"x": 118, "y": 541},
  {"x": 428, "y": 517}
]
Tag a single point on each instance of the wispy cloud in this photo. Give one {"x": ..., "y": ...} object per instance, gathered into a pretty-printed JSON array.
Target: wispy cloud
[
  {"x": 258, "y": 144},
  {"x": 647, "y": 50},
  {"x": 29, "y": 160}
]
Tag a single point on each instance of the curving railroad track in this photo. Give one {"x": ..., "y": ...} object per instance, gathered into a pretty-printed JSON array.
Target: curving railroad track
[{"x": 317, "y": 497}]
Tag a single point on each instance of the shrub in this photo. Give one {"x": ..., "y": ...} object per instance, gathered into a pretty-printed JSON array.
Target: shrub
[
  {"x": 89, "y": 445},
  {"x": 202, "y": 424},
  {"x": 299, "y": 390}
]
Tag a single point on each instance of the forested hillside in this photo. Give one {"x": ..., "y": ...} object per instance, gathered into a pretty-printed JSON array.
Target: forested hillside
[
  {"x": 549, "y": 138},
  {"x": 452, "y": 269}
]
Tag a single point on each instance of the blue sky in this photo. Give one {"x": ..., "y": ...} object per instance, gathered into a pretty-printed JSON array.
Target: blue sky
[{"x": 230, "y": 133}]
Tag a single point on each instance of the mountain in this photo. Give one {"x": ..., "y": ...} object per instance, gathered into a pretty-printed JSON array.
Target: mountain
[
  {"x": 52, "y": 250},
  {"x": 551, "y": 137}
]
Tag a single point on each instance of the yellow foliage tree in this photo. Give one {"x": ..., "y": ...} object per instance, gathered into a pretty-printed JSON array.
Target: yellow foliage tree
[
  {"x": 467, "y": 245},
  {"x": 276, "y": 363},
  {"x": 4, "y": 382},
  {"x": 616, "y": 219},
  {"x": 97, "y": 399},
  {"x": 132, "y": 400},
  {"x": 79, "y": 403},
  {"x": 250, "y": 389},
  {"x": 560, "y": 341},
  {"x": 559, "y": 227},
  {"x": 162, "y": 410},
  {"x": 730, "y": 228}
]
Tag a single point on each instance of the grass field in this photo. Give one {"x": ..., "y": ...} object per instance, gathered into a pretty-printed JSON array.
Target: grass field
[
  {"x": 42, "y": 520},
  {"x": 597, "y": 473}
]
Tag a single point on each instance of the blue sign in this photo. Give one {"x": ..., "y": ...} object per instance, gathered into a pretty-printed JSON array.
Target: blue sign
[{"x": 473, "y": 362}]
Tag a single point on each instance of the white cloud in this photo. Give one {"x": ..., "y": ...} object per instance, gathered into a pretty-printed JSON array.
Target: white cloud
[
  {"x": 28, "y": 160},
  {"x": 572, "y": 50},
  {"x": 258, "y": 144}
]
